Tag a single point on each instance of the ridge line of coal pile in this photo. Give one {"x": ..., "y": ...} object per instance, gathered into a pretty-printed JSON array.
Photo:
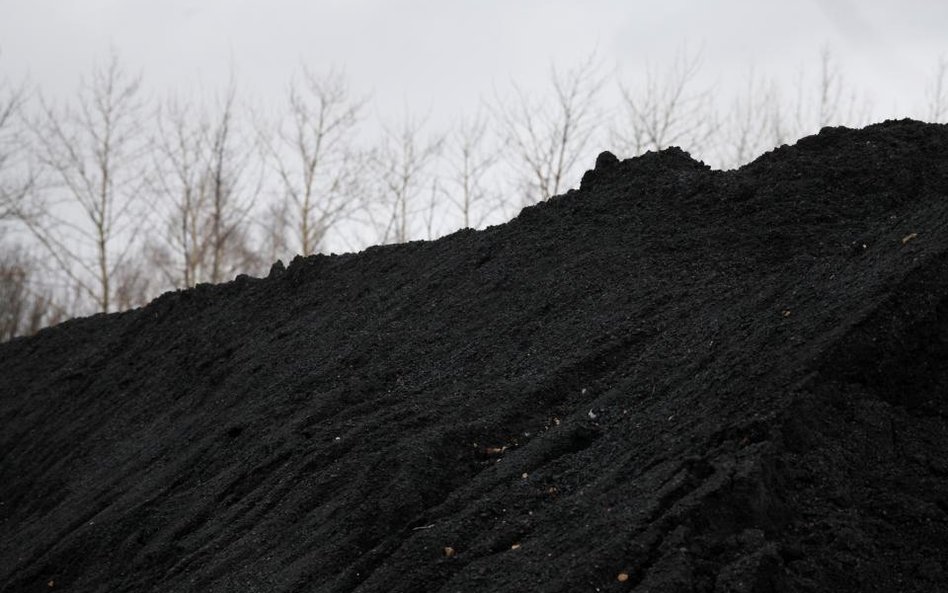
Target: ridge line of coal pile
[{"x": 669, "y": 379}]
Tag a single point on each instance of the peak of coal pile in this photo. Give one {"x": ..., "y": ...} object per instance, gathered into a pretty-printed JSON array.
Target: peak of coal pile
[{"x": 670, "y": 379}]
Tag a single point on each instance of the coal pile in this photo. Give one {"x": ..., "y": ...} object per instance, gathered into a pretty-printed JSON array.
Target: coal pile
[{"x": 671, "y": 379}]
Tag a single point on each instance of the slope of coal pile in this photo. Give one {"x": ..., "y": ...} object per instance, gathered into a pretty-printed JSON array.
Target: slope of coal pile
[{"x": 671, "y": 379}]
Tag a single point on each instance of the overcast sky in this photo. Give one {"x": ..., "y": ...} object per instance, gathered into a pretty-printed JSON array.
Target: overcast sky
[{"x": 442, "y": 57}]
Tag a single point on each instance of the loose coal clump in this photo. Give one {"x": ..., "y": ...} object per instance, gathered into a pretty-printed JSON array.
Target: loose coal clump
[{"x": 671, "y": 379}]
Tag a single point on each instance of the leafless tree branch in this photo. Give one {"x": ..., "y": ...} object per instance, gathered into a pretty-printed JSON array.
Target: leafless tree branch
[
  {"x": 471, "y": 163},
  {"x": 314, "y": 157},
  {"x": 402, "y": 164},
  {"x": 667, "y": 110},
  {"x": 546, "y": 140},
  {"x": 90, "y": 154},
  {"x": 937, "y": 92}
]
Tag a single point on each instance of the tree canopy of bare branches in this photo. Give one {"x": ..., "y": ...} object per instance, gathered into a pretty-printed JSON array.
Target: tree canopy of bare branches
[
  {"x": 180, "y": 183},
  {"x": 470, "y": 163},
  {"x": 204, "y": 196},
  {"x": 233, "y": 191},
  {"x": 90, "y": 153},
  {"x": 753, "y": 123},
  {"x": 668, "y": 109},
  {"x": 402, "y": 165},
  {"x": 827, "y": 100},
  {"x": 25, "y": 305},
  {"x": 546, "y": 139},
  {"x": 314, "y": 155},
  {"x": 15, "y": 179}
]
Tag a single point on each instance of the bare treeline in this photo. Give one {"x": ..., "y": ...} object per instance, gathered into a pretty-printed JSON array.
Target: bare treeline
[{"x": 119, "y": 195}]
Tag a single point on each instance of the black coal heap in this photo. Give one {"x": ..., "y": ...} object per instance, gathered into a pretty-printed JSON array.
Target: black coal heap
[{"x": 671, "y": 379}]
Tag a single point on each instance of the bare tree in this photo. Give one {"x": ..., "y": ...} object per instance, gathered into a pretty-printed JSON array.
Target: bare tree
[
  {"x": 937, "y": 92},
  {"x": 403, "y": 166},
  {"x": 231, "y": 195},
  {"x": 668, "y": 110},
  {"x": 753, "y": 125},
  {"x": 91, "y": 155},
  {"x": 471, "y": 163},
  {"x": 204, "y": 183},
  {"x": 836, "y": 103},
  {"x": 314, "y": 155},
  {"x": 15, "y": 178},
  {"x": 134, "y": 284},
  {"x": 831, "y": 89},
  {"x": 25, "y": 306},
  {"x": 179, "y": 182},
  {"x": 275, "y": 221},
  {"x": 547, "y": 139},
  {"x": 15, "y": 305},
  {"x": 762, "y": 117}
]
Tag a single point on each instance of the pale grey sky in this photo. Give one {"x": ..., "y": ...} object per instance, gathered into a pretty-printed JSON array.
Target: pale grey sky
[{"x": 444, "y": 56}]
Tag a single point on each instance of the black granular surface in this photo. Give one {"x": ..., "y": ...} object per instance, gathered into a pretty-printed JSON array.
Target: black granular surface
[{"x": 671, "y": 379}]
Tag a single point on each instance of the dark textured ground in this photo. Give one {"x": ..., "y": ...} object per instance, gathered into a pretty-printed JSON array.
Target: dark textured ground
[{"x": 703, "y": 380}]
